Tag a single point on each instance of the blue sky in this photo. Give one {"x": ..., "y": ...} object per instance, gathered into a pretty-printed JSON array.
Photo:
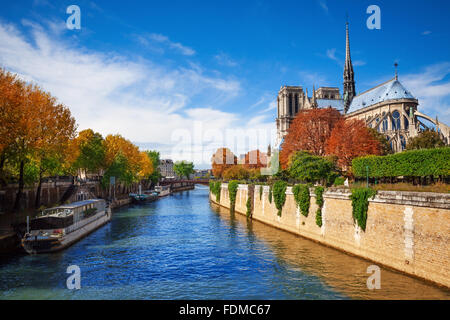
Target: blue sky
[{"x": 173, "y": 75}]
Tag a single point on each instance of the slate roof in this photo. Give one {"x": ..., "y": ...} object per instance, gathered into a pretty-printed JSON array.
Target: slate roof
[
  {"x": 389, "y": 90},
  {"x": 325, "y": 103}
]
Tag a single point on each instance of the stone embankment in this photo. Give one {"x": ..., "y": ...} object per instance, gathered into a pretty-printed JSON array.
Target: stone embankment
[{"x": 406, "y": 231}]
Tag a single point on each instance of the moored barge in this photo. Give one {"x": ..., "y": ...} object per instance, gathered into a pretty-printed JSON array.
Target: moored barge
[{"x": 59, "y": 227}]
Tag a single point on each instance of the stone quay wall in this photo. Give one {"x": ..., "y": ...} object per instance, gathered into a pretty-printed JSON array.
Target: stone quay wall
[{"x": 406, "y": 231}]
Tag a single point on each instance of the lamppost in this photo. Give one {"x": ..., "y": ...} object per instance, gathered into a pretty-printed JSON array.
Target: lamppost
[{"x": 367, "y": 176}]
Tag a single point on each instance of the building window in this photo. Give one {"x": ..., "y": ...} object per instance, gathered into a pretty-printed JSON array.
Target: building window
[
  {"x": 403, "y": 142},
  {"x": 396, "y": 120},
  {"x": 406, "y": 122},
  {"x": 385, "y": 124},
  {"x": 296, "y": 104},
  {"x": 377, "y": 120}
]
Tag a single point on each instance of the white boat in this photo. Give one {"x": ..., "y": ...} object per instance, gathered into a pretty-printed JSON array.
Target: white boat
[
  {"x": 163, "y": 190},
  {"x": 59, "y": 227}
]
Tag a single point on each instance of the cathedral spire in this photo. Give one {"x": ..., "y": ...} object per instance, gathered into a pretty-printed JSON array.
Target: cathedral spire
[{"x": 349, "y": 80}]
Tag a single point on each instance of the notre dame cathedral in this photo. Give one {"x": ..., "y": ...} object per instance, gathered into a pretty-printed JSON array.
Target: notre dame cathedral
[{"x": 389, "y": 107}]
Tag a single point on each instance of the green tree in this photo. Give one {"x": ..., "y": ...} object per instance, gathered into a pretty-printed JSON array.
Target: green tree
[
  {"x": 155, "y": 158},
  {"x": 183, "y": 168},
  {"x": 309, "y": 168},
  {"x": 92, "y": 151},
  {"x": 425, "y": 140},
  {"x": 384, "y": 143}
]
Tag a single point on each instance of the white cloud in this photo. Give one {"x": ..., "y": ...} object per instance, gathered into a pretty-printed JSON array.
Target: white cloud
[
  {"x": 324, "y": 6},
  {"x": 427, "y": 32},
  {"x": 162, "y": 39},
  {"x": 432, "y": 88},
  {"x": 225, "y": 60},
  {"x": 146, "y": 102}
]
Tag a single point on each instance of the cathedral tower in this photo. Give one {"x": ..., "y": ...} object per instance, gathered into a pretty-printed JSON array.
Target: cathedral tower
[{"x": 349, "y": 79}]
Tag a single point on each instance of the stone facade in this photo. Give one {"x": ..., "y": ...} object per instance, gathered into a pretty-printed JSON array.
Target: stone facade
[
  {"x": 406, "y": 231},
  {"x": 166, "y": 168}
]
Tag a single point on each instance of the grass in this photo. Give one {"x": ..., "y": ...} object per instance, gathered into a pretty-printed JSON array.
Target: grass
[{"x": 438, "y": 187}]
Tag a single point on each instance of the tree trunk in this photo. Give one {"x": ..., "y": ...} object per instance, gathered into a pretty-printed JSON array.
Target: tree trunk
[
  {"x": 37, "y": 202},
  {"x": 20, "y": 191}
]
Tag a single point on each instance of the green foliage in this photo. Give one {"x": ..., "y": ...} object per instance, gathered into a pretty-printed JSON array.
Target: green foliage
[
  {"x": 302, "y": 198},
  {"x": 260, "y": 192},
  {"x": 339, "y": 181},
  {"x": 232, "y": 190},
  {"x": 425, "y": 140},
  {"x": 92, "y": 154},
  {"x": 384, "y": 143},
  {"x": 119, "y": 168},
  {"x": 279, "y": 195},
  {"x": 360, "y": 204},
  {"x": 249, "y": 207},
  {"x": 155, "y": 158},
  {"x": 309, "y": 168},
  {"x": 183, "y": 168},
  {"x": 270, "y": 193},
  {"x": 319, "y": 201},
  {"x": 415, "y": 163},
  {"x": 215, "y": 188}
]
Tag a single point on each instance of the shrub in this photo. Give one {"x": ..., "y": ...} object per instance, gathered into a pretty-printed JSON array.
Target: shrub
[
  {"x": 232, "y": 190},
  {"x": 360, "y": 204},
  {"x": 339, "y": 181},
  {"x": 279, "y": 194},
  {"x": 309, "y": 168},
  {"x": 414, "y": 163},
  {"x": 301, "y": 196},
  {"x": 319, "y": 201},
  {"x": 249, "y": 207},
  {"x": 215, "y": 188},
  {"x": 260, "y": 192},
  {"x": 270, "y": 193}
]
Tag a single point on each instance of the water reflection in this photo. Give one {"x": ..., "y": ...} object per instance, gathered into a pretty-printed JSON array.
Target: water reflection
[{"x": 343, "y": 272}]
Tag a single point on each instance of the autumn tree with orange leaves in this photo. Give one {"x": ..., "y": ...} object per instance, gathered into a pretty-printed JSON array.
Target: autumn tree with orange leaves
[
  {"x": 34, "y": 129},
  {"x": 309, "y": 131},
  {"x": 221, "y": 160},
  {"x": 350, "y": 139}
]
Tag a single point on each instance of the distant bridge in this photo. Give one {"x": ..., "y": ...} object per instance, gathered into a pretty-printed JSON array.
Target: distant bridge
[{"x": 190, "y": 181}]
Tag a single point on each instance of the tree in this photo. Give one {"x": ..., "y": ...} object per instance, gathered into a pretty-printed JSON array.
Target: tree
[
  {"x": 145, "y": 166},
  {"x": 310, "y": 168},
  {"x": 384, "y": 142},
  {"x": 236, "y": 172},
  {"x": 309, "y": 131},
  {"x": 91, "y": 151},
  {"x": 350, "y": 139},
  {"x": 155, "y": 158},
  {"x": 222, "y": 159},
  {"x": 183, "y": 168},
  {"x": 124, "y": 158},
  {"x": 425, "y": 140}
]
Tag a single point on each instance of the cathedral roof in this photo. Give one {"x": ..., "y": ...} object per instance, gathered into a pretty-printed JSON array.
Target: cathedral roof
[
  {"x": 325, "y": 103},
  {"x": 389, "y": 90}
]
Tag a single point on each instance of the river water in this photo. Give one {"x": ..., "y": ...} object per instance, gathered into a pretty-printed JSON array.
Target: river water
[{"x": 183, "y": 247}]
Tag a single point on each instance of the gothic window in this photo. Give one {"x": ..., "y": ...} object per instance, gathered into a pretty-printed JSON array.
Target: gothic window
[
  {"x": 377, "y": 120},
  {"x": 396, "y": 120},
  {"x": 296, "y": 104},
  {"x": 406, "y": 123},
  {"x": 385, "y": 124},
  {"x": 403, "y": 142}
]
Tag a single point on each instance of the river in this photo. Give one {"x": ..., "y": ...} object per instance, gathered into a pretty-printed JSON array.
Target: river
[{"x": 183, "y": 247}]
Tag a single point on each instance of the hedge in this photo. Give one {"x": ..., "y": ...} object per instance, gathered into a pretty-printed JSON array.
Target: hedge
[{"x": 414, "y": 163}]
